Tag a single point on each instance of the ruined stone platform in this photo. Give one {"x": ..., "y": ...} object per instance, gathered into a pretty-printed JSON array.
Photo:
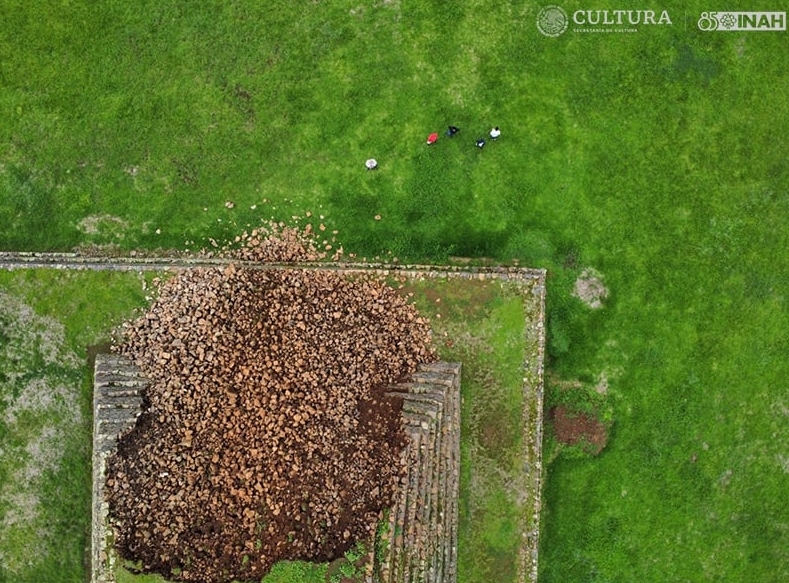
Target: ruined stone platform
[{"x": 421, "y": 539}]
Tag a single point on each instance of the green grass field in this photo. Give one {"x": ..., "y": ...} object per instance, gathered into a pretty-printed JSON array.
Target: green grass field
[
  {"x": 659, "y": 158},
  {"x": 47, "y": 322}
]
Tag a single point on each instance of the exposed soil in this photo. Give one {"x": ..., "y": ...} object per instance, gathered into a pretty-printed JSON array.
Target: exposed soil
[
  {"x": 334, "y": 572},
  {"x": 496, "y": 434},
  {"x": 100, "y": 348},
  {"x": 265, "y": 433},
  {"x": 577, "y": 428}
]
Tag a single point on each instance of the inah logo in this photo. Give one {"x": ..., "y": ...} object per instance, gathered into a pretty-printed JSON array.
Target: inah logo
[
  {"x": 552, "y": 20},
  {"x": 733, "y": 21}
]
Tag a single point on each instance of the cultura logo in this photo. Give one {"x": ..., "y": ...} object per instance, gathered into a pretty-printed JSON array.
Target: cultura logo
[
  {"x": 552, "y": 20},
  {"x": 620, "y": 17},
  {"x": 739, "y": 21}
]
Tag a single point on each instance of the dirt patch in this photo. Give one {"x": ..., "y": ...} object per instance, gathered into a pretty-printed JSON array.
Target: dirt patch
[
  {"x": 103, "y": 225},
  {"x": 602, "y": 384},
  {"x": 341, "y": 570},
  {"x": 589, "y": 288},
  {"x": 578, "y": 428},
  {"x": 100, "y": 348},
  {"x": 496, "y": 435}
]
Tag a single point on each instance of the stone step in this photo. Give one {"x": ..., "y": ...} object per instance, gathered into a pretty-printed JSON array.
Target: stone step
[
  {"x": 405, "y": 389},
  {"x": 425, "y": 512},
  {"x": 433, "y": 516},
  {"x": 125, "y": 411},
  {"x": 448, "y": 507},
  {"x": 117, "y": 376},
  {"x": 123, "y": 403},
  {"x": 426, "y": 540},
  {"x": 427, "y": 377},
  {"x": 110, "y": 427},
  {"x": 393, "y": 565},
  {"x": 396, "y": 512},
  {"x": 416, "y": 530},
  {"x": 453, "y": 478},
  {"x": 116, "y": 365},
  {"x": 450, "y": 370},
  {"x": 414, "y": 525},
  {"x": 432, "y": 453},
  {"x": 416, "y": 398},
  {"x": 439, "y": 517},
  {"x": 127, "y": 415},
  {"x": 417, "y": 408},
  {"x": 409, "y": 501},
  {"x": 423, "y": 500},
  {"x": 428, "y": 499},
  {"x": 115, "y": 391},
  {"x": 447, "y": 518},
  {"x": 117, "y": 403}
]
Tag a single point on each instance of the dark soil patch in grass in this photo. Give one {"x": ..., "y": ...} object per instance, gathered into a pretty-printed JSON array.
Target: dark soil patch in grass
[
  {"x": 343, "y": 570},
  {"x": 100, "y": 348},
  {"x": 579, "y": 428},
  {"x": 498, "y": 435},
  {"x": 334, "y": 572}
]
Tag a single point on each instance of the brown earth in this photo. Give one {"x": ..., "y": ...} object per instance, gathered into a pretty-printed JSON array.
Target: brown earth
[
  {"x": 265, "y": 433},
  {"x": 578, "y": 428}
]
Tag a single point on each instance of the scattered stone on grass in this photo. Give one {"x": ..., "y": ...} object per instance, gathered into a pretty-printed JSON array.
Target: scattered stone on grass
[
  {"x": 277, "y": 243},
  {"x": 589, "y": 288}
]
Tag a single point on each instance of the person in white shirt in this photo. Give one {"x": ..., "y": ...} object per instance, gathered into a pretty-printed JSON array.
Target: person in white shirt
[{"x": 495, "y": 133}]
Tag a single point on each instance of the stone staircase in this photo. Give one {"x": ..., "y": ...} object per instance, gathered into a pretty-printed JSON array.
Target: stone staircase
[
  {"x": 117, "y": 403},
  {"x": 421, "y": 541}
]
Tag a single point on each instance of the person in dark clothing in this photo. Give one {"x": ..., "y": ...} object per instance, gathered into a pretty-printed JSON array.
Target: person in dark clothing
[{"x": 452, "y": 131}]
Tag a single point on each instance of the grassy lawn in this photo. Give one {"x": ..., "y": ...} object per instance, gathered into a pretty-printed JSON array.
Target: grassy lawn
[
  {"x": 659, "y": 158},
  {"x": 47, "y": 321}
]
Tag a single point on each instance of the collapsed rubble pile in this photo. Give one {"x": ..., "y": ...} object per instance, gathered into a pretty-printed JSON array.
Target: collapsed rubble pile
[
  {"x": 266, "y": 434},
  {"x": 279, "y": 243}
]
